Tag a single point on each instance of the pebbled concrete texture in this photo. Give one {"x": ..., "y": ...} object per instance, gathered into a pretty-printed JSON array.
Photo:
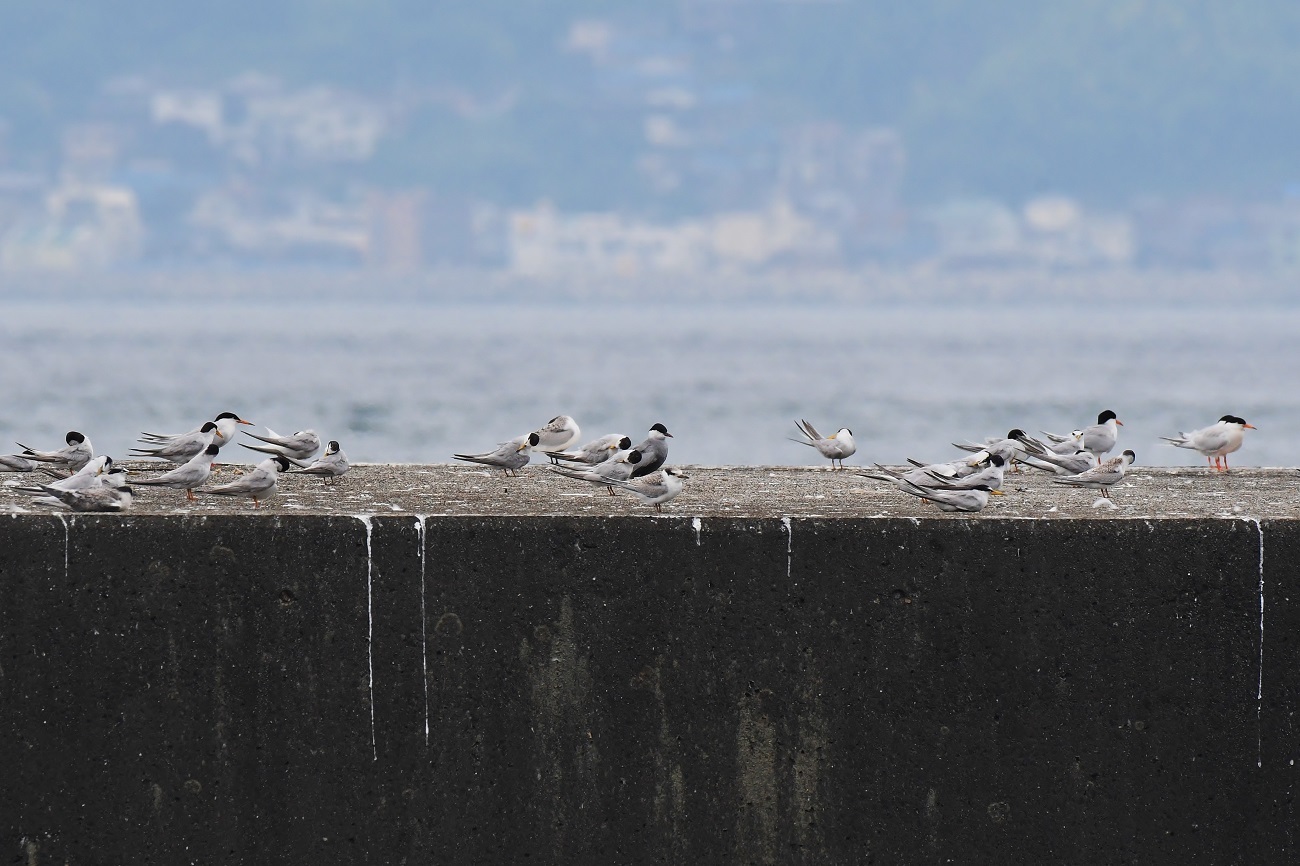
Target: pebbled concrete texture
[
  {"x": 616, "y": 688},
  {"x": 750, "y": 491}
]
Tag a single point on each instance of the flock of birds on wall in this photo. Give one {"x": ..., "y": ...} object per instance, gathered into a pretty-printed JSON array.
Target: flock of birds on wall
[{"x": 75, "y": 479}]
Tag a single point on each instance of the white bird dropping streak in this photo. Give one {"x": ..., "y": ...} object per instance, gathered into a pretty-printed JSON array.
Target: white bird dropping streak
[
  {"x": 1259, "y": 694},
  {"x": 697, "y": 525},
  {"x": 789, "y": 545},
  {"x": 370, "y": 632},
  {"x": 67, "y": 541},
  {"x": 424, "y": 623}
]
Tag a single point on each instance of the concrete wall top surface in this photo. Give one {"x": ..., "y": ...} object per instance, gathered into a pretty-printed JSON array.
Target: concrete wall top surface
[{"x": 437, "y": 489}]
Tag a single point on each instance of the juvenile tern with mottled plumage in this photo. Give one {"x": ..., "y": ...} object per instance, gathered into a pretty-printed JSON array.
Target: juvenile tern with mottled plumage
[
  {"x": 113, "y": 494},
  {"x": 558, "y": 434},
  {"x": 656, "y": 488},
  {"x": 1101, "y": 477}
]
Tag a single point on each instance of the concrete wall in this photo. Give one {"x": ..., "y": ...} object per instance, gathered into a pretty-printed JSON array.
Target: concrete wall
[{"x": 245, "y": 689}]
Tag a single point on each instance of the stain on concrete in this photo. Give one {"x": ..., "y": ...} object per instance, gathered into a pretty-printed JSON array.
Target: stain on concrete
[
  {"x": 758, "y": 811},
  {"x": 565, "y": 754}
]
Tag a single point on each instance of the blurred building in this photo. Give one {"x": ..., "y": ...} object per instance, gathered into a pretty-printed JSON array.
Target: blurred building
[{"x": 83, "y": 227}]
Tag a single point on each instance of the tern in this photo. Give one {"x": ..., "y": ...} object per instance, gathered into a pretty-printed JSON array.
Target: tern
[
  {"x": 509, "y": 457},
  {"x": 656, "y": 488},
  {"x": 113, "y": 495},
  {"x": 76, "y": 454},
  {"x": 1101, "y": 477},
  {"x": 258, "y": 484},
  {"x": 654, "y": 451},
  {"x": 1215, "y": 442},
  {"x": 302, "y": 445},
  {"x": 179, "y": 449},
  {"x": 558, "y": 434},
  {"x": 16, "y": 463},
  {"x": 617, "y": 468},
  {"x": 834, "y": 447},
  {"x": 1100, "y": 438},
  {"x": 596, "y": 451},
  {"x": 188, "y": 476},
  {"x": 227, "y": 424},
  {"x": 329, "y": 466}
]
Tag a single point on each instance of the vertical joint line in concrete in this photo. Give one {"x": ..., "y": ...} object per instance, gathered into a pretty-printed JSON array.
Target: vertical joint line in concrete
[{"x": 370, "y": 630}]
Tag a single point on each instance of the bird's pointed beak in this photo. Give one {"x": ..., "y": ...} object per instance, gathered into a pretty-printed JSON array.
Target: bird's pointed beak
[
  {"x": 249, "y": 423},
  {"x": 1250, "y": 426},
  {"x": 996, "y": 493},
  {"x": 1119, "y": 422}
]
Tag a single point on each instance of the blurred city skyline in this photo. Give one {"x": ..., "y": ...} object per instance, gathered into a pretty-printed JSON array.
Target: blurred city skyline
[{"x": 619, "y": 139}]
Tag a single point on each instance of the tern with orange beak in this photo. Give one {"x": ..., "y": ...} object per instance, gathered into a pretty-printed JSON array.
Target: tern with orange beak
[
  {"x": 1215, "y": 442},
  {"x": 1100, "y": 438}
]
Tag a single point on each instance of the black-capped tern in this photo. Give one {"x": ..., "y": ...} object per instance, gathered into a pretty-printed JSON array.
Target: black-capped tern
[
  {"x": 1215, "y": 442},
  {"x": 227, "y": 425},
  {"x": 596, "y": 451},
  {"x": 1100, "y": 438},
  {"x": 617, "y": 468},
  {"x": 990, "y": 476},
  {"x": 509, "y": 457},
  {"x": 952, "y": 500},
  {"x": 1059, "y": 464},
  {"x": 1010, "y": 448},
  {"x": 329, "y": 466},
  {"x": 654, "y": 451},
  {"x": 656, "y": 488},
  {"x": 834, "y": 447},
  {"x": 74, "y": 455},
  {"x": 1101, "y": 477},
  {"x": 192, "y": 474},
  {"x": 302, "y": 445},
  {"x": 179, "y": 449},
  {"x": 258, "y": 484}
]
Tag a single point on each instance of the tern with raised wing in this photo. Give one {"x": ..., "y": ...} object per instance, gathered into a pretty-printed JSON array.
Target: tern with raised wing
[{"x": 834, "y": 447}]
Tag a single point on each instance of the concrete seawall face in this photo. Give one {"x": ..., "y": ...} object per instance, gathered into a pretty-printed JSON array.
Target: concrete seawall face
[{"x": 323, "y": 689}]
